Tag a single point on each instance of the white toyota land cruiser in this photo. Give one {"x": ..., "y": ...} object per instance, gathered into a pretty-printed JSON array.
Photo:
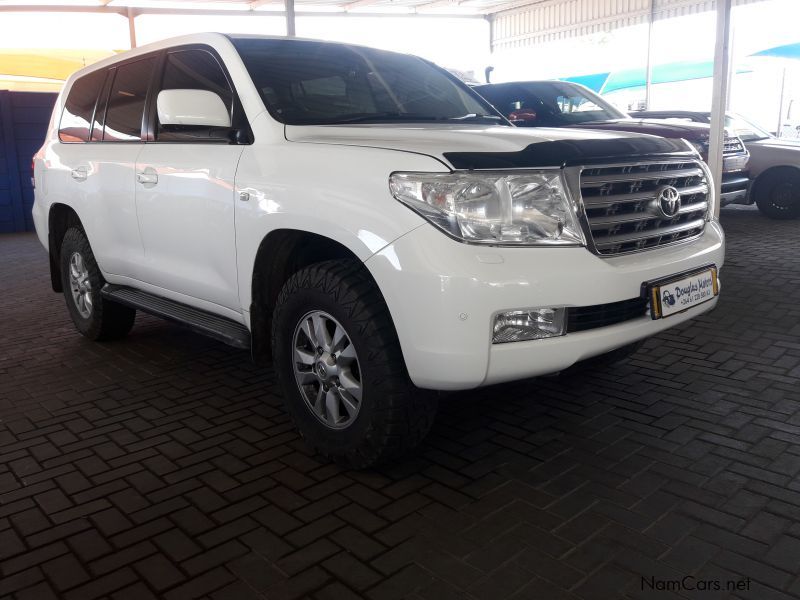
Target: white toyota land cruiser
[{"x": 365, "y": 222}]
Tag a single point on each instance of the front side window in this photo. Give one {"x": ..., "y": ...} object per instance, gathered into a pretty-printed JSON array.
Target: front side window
[
  {"x": 79, "y": 108},
  {"x": 194, "y": 69},
  {"x": 548, "y": 103},
  {"x": 126, "y": 101},
  {"x": 308, "y": 83}
]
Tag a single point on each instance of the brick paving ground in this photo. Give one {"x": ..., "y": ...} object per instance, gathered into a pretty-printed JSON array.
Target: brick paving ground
[{"x": 163, "y": 465}]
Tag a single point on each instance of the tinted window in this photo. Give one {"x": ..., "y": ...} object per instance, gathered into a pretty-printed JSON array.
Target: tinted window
[
  {"x": 304, "y": 82},
  {"x": 194, "y": 70},
  {"x": 548, "y": 103},
  {"x": 126, "y": 101},
  {"x": 79, "y": 107}
]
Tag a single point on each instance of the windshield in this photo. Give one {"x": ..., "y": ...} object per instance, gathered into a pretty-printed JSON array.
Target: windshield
[
  {"x": 548, "y": 103},
  {"x": 319, "y": 83},
  {"x": 747, "y": 131}
]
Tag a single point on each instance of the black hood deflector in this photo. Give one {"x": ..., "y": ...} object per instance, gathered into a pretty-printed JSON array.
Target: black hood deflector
[{"x": 559, "y": 153}]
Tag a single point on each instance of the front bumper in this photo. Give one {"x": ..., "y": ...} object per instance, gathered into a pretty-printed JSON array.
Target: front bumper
[
  {"x": 443, "y": 296},
  {"x": 734, "y": 188}
]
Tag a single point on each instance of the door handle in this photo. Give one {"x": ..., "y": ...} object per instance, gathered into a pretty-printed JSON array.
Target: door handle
[
  {"x": 80, "y": 174},
  {"x": 147, "y": 177}
]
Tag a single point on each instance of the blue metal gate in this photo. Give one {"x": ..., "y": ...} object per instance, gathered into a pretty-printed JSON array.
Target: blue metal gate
[{"x": 23, "y": 125}]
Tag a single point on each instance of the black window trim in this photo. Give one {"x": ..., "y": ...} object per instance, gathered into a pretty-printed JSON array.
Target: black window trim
[
  {"x": 111, "y": 78},
  {"x": 242, "y": 133},
  {"x": 101, "y": 104},
  {"x": 147, "y": 128}
]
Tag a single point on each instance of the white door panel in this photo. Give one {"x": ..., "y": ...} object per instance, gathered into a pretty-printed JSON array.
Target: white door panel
[
  {"x": 185, "y": 203},
  {"x": 98, "y": 181}
]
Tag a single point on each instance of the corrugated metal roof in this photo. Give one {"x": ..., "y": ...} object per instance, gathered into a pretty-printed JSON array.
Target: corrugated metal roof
[
  {"x": 442, "y": 7},
  {"x": 550, "y": 20},
  {"x": 516, "y": 22}
]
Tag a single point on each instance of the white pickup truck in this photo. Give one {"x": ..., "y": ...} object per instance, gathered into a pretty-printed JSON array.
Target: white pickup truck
[{"x": 364, "y": 222}]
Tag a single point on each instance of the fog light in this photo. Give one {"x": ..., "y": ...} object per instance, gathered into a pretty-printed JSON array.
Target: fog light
[{"x": 521, "y": 325}]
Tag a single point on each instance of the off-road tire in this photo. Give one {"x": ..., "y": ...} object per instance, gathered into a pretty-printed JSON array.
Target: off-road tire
[
  {"x": 777, "y": 193},
  {"x": 108, "y": 320},
  {"x": 394, "y": 415}
]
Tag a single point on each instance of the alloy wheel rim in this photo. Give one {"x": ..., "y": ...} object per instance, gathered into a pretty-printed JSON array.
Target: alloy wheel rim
[
  {"x": 784, "y": 196},
  {"x": 327, "y": 370},
  {"x": 80, "y": 285}
]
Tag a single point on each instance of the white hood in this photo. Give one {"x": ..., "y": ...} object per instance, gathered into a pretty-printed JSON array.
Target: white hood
[{"x": 436, "y": 139}]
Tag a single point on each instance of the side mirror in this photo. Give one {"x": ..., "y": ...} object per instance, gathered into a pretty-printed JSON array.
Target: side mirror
[
  {"x": 192, "y": 107},
  {"x": 523, "y": 115}
]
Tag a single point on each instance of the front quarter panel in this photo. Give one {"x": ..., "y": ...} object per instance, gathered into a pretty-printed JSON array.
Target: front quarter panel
[
  {"x": 340, "y": 192},
  {"x": 766, "y": 154}
]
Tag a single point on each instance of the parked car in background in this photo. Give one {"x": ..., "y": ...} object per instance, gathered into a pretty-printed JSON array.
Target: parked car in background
[
  {"x": 566, "y": 104},
  {"x": 366, "y": 223},
  {"x": 774, "y": 165}
]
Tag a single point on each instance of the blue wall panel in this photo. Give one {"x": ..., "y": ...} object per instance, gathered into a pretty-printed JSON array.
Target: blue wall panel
[{"x": 24, "y": 117}]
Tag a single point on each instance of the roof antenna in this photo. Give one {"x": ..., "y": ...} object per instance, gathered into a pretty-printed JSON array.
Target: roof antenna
[{"x": 487, "y": 73}]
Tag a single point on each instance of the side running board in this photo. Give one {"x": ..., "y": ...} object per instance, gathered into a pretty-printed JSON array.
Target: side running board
[{"x": 211, "y": 325}]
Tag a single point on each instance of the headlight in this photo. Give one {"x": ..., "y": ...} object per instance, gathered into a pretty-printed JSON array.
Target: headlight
[{"x": 527, "y": 208}]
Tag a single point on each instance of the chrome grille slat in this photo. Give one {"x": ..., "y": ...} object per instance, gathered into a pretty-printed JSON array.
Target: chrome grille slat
[
  {"x": 649, "y": 216},
  {"x": 599, "y": 180},
  {"x": 661, "y": 232},
  {"x": 623, "y": 211},
  {"x": 596, "y": 201},
  {"x": 732, "y": 144}
]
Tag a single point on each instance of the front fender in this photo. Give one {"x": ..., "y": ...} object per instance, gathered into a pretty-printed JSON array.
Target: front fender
[{"x": 338, "y": 192}]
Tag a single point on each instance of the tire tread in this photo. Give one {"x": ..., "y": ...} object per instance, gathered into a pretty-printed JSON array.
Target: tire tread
[
  {"x": 109, "y": 320},
  {"x": 403, "y": 414}
]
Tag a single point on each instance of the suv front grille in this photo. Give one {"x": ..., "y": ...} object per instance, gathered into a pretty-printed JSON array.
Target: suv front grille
[
  {"x": 624, "y": 211},
  {"x": 732, "y": 145}
]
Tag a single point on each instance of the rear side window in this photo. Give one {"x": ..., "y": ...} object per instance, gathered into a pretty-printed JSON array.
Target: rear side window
[
  {"x": 126, "y": 101},
  {"x": 194, "y": 69},
  {"x": 79, "y": 108}
]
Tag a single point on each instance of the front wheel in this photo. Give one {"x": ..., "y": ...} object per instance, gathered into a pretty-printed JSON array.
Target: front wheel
[
  {"x": 777, "y": 193},
  {"x": 338, "y": 360}
]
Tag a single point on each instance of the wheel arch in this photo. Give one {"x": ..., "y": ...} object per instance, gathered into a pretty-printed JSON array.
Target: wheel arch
[
  {"x": 60, "y": 218},
  {"x": 281, "y": 253}
]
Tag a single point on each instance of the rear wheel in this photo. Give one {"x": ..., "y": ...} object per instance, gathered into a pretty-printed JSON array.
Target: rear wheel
[
  {"x": 94, "y": 316},
  {"x": 777, "y": 193},
  {"x": 339, "y": 363}
]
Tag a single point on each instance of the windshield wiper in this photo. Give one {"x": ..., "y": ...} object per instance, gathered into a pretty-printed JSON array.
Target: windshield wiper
[
  {"x": 388, "y": 117},
  {"x": 381, "y": 117},
  {"x": 476, "y": 117}
]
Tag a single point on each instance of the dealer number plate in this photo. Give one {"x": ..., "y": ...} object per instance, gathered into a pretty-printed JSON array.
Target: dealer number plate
[{"x": 676, "y": 295}]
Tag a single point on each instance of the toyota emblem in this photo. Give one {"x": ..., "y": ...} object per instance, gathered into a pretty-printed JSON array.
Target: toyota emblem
[{"x": 669, "y": 200}]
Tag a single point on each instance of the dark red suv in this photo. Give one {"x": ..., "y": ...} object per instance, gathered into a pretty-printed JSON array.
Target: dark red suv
[{"x": 566, "y": 104}]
